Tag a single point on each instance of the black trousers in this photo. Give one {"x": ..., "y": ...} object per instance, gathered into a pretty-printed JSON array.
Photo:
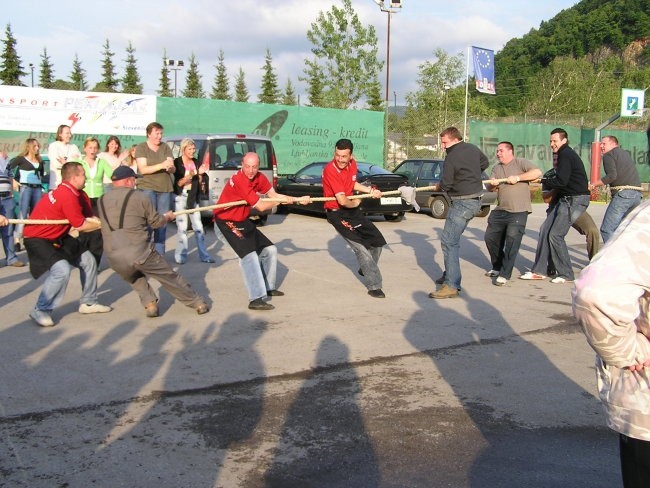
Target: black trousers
[{"x": 635, "y": 462}]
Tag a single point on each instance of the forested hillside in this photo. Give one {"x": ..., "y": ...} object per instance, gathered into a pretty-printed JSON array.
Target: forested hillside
[{"x": 577, "y": 62}]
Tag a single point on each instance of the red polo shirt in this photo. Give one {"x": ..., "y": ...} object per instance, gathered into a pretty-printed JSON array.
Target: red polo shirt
[
  {"x": 337, "y": 181},
  {"x": 239, "y": 187},
  {"x": 65, "y": 202}
]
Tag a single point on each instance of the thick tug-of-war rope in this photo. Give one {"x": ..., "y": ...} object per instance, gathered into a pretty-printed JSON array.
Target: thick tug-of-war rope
[{"x": 224, "y": 205}]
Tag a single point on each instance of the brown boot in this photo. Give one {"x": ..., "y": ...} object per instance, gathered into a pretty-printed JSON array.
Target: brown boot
[
  {"x": 151, "y": 310},
  {"x": 445, "y": 291}
]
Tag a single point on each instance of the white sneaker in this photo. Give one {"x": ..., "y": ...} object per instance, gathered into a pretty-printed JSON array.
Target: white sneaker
[
  {"x": 42, "y": 318},
  {"x": 492, "y": 273},
  {"x": 559, "y": 279},
  {"x": 94, "y": 308},
  {"x": 529, "y": 275},
  {"x": 500, "y": 281}
]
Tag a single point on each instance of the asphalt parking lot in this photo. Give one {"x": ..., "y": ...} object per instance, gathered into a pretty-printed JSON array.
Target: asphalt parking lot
[{"x": 333, "y": 388}]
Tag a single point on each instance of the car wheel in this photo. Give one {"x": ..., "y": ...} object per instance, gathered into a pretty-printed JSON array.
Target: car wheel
[
  {"x": 439, "y": 207},
  {"x": 394, "y": 217},
  {"x": 485, "y": 210},
  {"x": 282, "y": 209},
  {"x": 259, "y": 219}
]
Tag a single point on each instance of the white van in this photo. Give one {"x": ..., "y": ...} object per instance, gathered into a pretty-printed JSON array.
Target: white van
[{"x": 224, "y": 153}]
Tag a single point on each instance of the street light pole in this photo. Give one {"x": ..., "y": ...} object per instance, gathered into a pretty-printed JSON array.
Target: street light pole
[
  {"x": 393, "y": 5},
  {"x": 175, "y": 66},
  {"x": 31, "y": 67},
  {"x": 446, "y": 88}
]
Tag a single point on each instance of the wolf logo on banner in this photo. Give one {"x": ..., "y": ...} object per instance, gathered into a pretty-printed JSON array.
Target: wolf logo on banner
[{"x": 484, "y": 70}]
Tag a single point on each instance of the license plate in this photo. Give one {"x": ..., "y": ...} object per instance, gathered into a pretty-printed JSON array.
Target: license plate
[{"x": 390, "y": 200}]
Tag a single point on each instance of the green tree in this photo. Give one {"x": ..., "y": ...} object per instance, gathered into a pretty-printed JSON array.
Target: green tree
[
  {"x": 221, "y": 87},
  {"x": 10, "y": 68},
  {"x": 131, "y": 81},
  {"x": 289, "y": 97},
  {"x": 165, "y": 89},
  {"x": 314, "y": 80},
  {"x": 346, "y": 51},
  {"x": 433, "y": 76},
  {"x": 46, "y": 77},
  {"x": 193, "y": 86},
  {"x": 109, "y": 82},
  {"x": 241, "y": 91},
  {"x": 270, "y": 93},
  {"x": 78, "y": 75},
  {"x": 375, "y": 101}
]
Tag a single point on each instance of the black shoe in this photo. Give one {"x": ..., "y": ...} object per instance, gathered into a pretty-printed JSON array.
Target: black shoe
[
  {"x": 259, "y": 304},
  {"x": 441, "y": 280},
  {"x": 360, "y": 272},
  {"x": 274, "y": 293},
  {"x": 378, "y": 293}
]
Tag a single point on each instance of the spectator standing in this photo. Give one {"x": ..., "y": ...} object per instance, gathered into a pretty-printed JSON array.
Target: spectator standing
[
  {"x": 190, "y": 180},
  {"x": 572, "y": 200},
  {"x": 29, "y": 172},
  {"x": 611, "y": 301},
  {"x": 7, "y": 211},
  {"x": 59, "y": 152},
  {"x": 363, "y": 237},
  {"x": 621, "y": 172},
  {"x": 507, "y": 222},
  {"x": 113, "y": 155},
  {"x": 96, "y": 171},
  {"x": 51, "y": 248},
  {"x": 126, "y": 215},
  {"x": 155, "y": 163},
  {"x": 258, "y": 257},
  {"x": 461, "y": 179}
]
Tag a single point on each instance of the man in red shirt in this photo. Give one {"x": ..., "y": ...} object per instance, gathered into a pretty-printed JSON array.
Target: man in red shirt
[
  {"x": 50, "y": 247},
  {"x": 340, "y": 181},
  {"x": 258, "y": 257}
]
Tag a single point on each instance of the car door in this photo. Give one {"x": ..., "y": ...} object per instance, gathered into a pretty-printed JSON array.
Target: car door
[{"x": 429, "y": 175}]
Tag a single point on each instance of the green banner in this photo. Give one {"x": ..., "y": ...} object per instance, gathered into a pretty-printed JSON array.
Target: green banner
[
  {"x": 300, "y": 135},
  {"x": 531, "y": 141}
]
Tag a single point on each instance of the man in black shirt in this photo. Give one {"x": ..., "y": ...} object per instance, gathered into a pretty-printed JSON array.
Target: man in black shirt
[
  {"x": 461, "y": 179},
  {"x": 571, "y": 186}
]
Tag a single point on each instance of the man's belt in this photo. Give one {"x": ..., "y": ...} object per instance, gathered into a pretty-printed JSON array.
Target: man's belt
[
  {"x": 5, "y": 194},
  {"x": 473, "y": 196}
]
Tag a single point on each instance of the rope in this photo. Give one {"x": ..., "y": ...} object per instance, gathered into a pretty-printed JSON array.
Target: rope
[
  {"x": 225, "y": 205},
  {"x": 625, "y": 187}
]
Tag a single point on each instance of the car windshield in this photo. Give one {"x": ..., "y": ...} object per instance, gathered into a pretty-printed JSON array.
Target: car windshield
[{"x": 371, "y": 169}]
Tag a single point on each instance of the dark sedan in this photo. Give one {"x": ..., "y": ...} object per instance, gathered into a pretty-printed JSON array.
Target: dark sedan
[
  {"x": 427, "y": 172},
  {"x": 309, "y": 181}
]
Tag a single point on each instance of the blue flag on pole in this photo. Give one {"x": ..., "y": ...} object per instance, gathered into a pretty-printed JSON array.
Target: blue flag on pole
[{"x": 484, "y": 69}]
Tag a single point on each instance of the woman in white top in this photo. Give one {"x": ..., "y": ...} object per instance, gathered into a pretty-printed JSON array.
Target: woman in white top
[{"x": 59, "y": 152}]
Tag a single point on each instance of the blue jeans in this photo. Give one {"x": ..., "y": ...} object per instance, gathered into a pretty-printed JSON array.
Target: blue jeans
[
  {"x": 503, "y": 239},
  {"x": 162, "y": 202},
  {"x": 368, "y": 259},
  {"x": 460, "y": 213},
  {"x": 57, "y": 281},
  {"x": 551, "y": 246},
  {"x": 8, "y": 208},
  {"x": 623, "y": 202},
  {"x": 180, "y": 254},
  {"x": 258, "y": 270},
  {"x": 27, "y": 200}
]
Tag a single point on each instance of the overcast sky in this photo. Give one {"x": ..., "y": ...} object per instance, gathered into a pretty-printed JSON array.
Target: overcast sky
[{"x": 244, "y": 29}]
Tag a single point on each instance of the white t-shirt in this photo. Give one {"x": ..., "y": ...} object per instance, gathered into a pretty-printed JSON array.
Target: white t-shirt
[{"x": 56, "y": 150}]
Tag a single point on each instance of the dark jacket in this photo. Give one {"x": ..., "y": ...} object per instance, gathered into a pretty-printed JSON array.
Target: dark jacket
[
  {"x": 461, "y": 174},
  {"x": 199, "y": 188},
  {"x": 570, "y": 175}
]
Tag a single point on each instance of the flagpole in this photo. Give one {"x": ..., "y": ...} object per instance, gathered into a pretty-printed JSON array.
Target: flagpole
[{"x": 466, "y": 95}]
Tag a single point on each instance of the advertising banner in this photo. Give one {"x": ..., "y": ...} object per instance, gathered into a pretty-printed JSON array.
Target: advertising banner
[{"x": 42, "y": 110}]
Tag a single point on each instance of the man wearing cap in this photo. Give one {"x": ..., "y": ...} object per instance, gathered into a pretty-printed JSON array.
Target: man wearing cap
[
  {"x": 54, "y": 248},
  {"x": 126, "y": 215}
]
